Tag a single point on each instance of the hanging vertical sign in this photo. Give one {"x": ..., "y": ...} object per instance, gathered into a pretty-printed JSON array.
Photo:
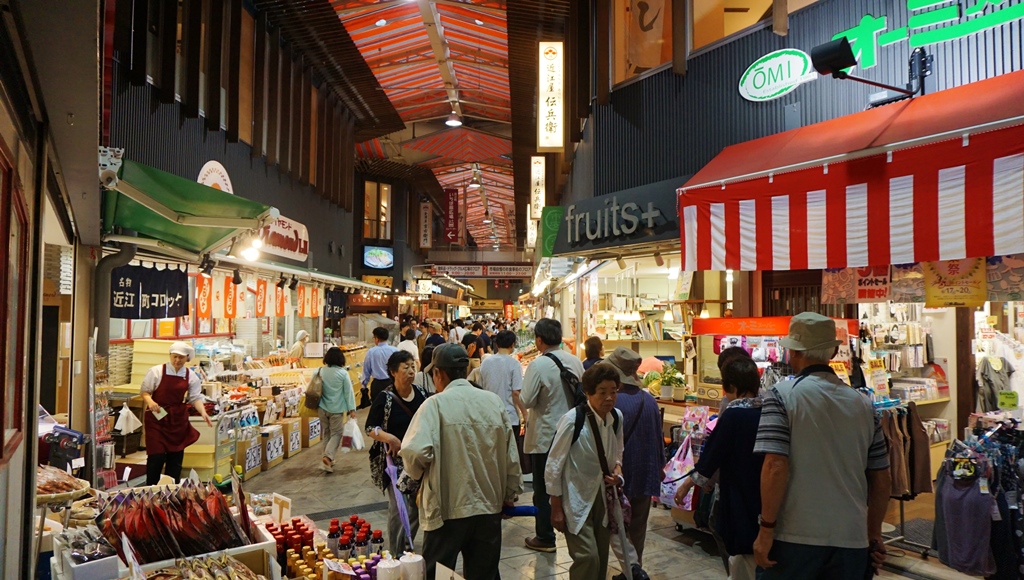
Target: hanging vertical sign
[
  {"x": 314, "y": 302},
  {"x": 451, "y": 216},
  {"x": 463, "y": 202},
  {"x": 279, "y": 301},
  {"x": 955, "y": 283},
  {"x": 550, "y": 104},
  {"x": 230, "y": 298},
  {"x": 873, "y": 284},
  {"x": 300, "y": 294},
  {"x": 204, "y": 296},
  {"x": 531, "y": 228},
  {"x": 426, "y": 225},
  {"x": 261, "y": 298},
  {"x": 551, "y": 218},
  {"x": 217, "y": 284},
  {"x": 538, "y": 185}
]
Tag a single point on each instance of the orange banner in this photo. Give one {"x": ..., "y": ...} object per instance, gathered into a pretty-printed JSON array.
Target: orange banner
[
  {"x": 261, "y": 298},
  {"x": 204, "y": 296},
  {"x": 230, "y": 300},
  {"x": 766, "y": 326},
  {"x": 301, "y": 297},
  {"x": 314, "y": 301},
  {"x": 279, "y": 302}
]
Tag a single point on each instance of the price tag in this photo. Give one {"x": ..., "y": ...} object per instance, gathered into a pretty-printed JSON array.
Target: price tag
[
  {"x": 78, "y": 463},
  {"x": 336, "y": 566},
  {"x": 282, "y": 508},
  {"x": 840, "y": 369},
  {"x": 1008, "y": 400},
  {"x": 294, "y": 441},
  {"x": 275, "y": 448},
  {"x": 876, "y": 365},
  {"x": 314, "y": 429}
]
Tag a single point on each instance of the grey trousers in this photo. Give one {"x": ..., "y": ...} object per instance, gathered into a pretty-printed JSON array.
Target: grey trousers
[
  {"x": 397, "y": 542},
  {"x": 589, "y": 548},
  {"x": 332, "y": 426}
]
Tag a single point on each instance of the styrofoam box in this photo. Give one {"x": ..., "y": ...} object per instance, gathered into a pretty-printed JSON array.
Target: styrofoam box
[
  {"x": 265, "y": 544},
  {"x": 105, "y": 569}
]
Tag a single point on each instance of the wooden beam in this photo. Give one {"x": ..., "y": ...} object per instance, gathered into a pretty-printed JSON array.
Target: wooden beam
[
  {"x": 604, "y": 31},
  {"x": 273, "y": 96},
  {"x": 191, "y": 54},
  {"x": 780, "y": 17},
  {"x": 285, "y": 116},
  {"x": 259, "y": 86},
  {"x": 140, "y": 36},
  {"x": 680, "y": 35},
  {"x": 572, "y": 84},
  {"x": 214, "y": 60},
  {"x": 330, "y": 140},
  {"x": 965, "y": 401},
  {"x": 167, "y": 41},
  {"x": 307, "y": 127},
  {"x": 234, "y": 84},
  {"x": 584, "y": 60}
]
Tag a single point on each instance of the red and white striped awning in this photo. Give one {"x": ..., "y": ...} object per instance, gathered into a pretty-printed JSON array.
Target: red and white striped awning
[{"x": 940, "y": 177}]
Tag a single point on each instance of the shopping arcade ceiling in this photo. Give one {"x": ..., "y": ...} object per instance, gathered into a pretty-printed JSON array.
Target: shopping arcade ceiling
[{"x": 432, "y": 58}]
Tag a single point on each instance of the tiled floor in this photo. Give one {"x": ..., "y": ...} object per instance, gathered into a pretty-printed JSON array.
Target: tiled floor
[{"x": 669, "y": 554}]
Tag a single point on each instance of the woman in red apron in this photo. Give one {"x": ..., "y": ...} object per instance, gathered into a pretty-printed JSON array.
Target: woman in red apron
[{"x": 168, "y": 388}]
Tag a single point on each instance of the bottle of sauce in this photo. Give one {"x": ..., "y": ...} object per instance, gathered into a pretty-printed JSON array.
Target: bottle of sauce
[
  {"x": 282, "y": 551},
  {"x": 377, "y": 543},
  {"x": 362, "y": 547},
  {"x": 332, "y": 539},
  {"x": 344, "y": 548}
]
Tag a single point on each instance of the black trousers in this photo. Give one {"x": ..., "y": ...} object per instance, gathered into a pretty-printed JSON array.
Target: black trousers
[
  {"x": 158, "y": 463},
  {"x": 477, "y": 538},
  {"x": 545, "y": 531}
]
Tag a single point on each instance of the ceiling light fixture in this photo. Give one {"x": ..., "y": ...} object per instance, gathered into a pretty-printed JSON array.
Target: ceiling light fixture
[
  {"x": 475, "y": 182},
  {"x": 658, "y": 259},
  {"x": 453, "y": 120},
  {"x": 621, "y": 263},
  {"x": 282, "y": 281},
  {"x": 206, "y": 267},
  {"x": 237, "y": 278},
  {"x": 381, "y": 22},
  {"x": 487, "y": 216},
  {"x": 294, "y": 283}
]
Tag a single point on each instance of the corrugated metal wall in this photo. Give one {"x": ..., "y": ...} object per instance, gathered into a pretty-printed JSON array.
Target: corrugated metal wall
[
  {"x": 159, "y": 135},
  {"x": 667, "y": 125}
]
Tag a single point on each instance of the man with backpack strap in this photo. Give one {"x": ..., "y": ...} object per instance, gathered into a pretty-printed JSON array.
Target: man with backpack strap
[{"x": 548, "y": 393}]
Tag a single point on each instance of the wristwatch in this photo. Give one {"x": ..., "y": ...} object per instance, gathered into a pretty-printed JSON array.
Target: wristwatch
[{"x": 765, "y": 524}]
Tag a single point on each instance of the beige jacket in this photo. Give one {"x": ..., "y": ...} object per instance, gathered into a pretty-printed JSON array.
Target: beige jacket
[{"x": 460, "y": 443}]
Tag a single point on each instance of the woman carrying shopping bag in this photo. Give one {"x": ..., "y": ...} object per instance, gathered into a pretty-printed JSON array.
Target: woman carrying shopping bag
[
  {"x": 386, "y": 424},
  {"x": 337, "y": 404}
]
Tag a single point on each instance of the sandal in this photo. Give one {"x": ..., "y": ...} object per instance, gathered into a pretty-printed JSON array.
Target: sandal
[{"x": 326, "y": 465}]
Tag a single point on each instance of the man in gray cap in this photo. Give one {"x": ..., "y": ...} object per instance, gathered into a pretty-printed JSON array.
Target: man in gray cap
[
  {"x": 642, "y": 458},
  {"x": 824, "y": 453},
  {"x": 460, "y": 444}
]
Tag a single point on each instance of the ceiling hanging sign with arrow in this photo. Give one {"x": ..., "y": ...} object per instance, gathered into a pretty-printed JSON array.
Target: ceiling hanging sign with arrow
[{"x": 451, "y": 216}]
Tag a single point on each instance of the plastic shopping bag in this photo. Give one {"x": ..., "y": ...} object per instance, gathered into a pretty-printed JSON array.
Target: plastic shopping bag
[
  {"x": 678, "y": 468},
  {"x": 351, "y": 437}
]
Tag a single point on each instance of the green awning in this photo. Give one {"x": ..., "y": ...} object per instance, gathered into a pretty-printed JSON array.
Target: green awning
[{"x": 172, "y": 210}]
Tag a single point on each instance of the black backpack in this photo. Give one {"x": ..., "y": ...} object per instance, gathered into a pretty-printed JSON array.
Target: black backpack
[
  {"x": 573, "y": 389},
  {"x": 581, "y": 415}
]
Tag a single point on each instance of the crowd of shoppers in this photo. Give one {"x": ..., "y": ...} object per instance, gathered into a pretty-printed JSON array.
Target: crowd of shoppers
[{"x": 780, "y": 458}]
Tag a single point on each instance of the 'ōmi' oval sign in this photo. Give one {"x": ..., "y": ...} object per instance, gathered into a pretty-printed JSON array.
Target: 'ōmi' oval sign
[{"x": 776, "y": 74}]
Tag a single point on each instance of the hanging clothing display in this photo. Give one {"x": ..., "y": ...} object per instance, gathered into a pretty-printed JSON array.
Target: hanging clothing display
[
  {"x": 993, "y": 376},
  {"x": 909, "y": 451},
  {"x": 979, "y": 521}
]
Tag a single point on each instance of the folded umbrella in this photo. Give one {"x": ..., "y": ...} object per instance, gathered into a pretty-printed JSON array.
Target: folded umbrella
[
  {"x": 620, "y": 523},
  {"x": 403, "y": 509}
]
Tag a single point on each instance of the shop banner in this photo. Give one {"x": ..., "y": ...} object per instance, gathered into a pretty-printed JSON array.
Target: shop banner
[
  {"x": 645, "y": 36},
  {"x": 230, "y": 298},
  {"x": 509, "y": 271},
  {"x": 217, "y": 286},
  {"x": 426, "y": 225},
  {"x": 839, "y": 286},
  {"x": 301, "y": 301},
  {"x": 280, "y": 302},
  {"x": 955, "y": 283},
  {"x": 683, "y": 284},
  {"x": 451, "y": 216},
  {"x": 538, "y": 187},
  {"x": 336, "y": 302},
  {"x": 510, "y": 310},
  {"x": 551, "y": 219},
  {"x": 873, "y": 284},
  {"x": 261, "y": 298},
  {"x": 137, "y": 292},
  {"x": 1005, "y": 278},
  {"x": 314, "y": 303},
  {"x": 286, "y": 238},
  {"x": 907, "y": 282},
  {"x": 204, "y": 296},
  {"x": 458, "y": 271}
]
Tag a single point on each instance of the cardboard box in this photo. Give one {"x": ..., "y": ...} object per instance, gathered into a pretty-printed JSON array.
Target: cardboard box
[
  {"x": 311, "y": 430},
  {"x": 272, "y": 445},
  {"x": 292, "y": 429},
  {"x": 249, "y": 455}
]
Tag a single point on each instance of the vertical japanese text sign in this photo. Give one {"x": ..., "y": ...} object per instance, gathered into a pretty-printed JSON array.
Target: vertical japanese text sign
[
  {"x": 451, "y": 215},
  {"x": 426, "y": 225},
  {"x": 538, "y": 185},
  {"x": 551, "y": 101}
]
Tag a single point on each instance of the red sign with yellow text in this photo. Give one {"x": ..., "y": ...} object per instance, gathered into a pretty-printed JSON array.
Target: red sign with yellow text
[
  {"x": 279, "y": 301},
  {"x": 314, "y": 301},
  {"x": 261, "y": 298},
  {"x": 204, "y": 296},
  {"x": 230, "y": 298}
]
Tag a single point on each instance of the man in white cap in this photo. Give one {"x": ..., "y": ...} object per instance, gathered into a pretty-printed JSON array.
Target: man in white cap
[
  {"x": 825, "y": 480},
  {"x": 167, "y": 390}
]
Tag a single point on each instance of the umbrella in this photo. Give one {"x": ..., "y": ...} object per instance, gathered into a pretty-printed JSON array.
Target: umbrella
[
  {"x": 403, "y": 509},
  {"x": 620, "y": 523}
]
